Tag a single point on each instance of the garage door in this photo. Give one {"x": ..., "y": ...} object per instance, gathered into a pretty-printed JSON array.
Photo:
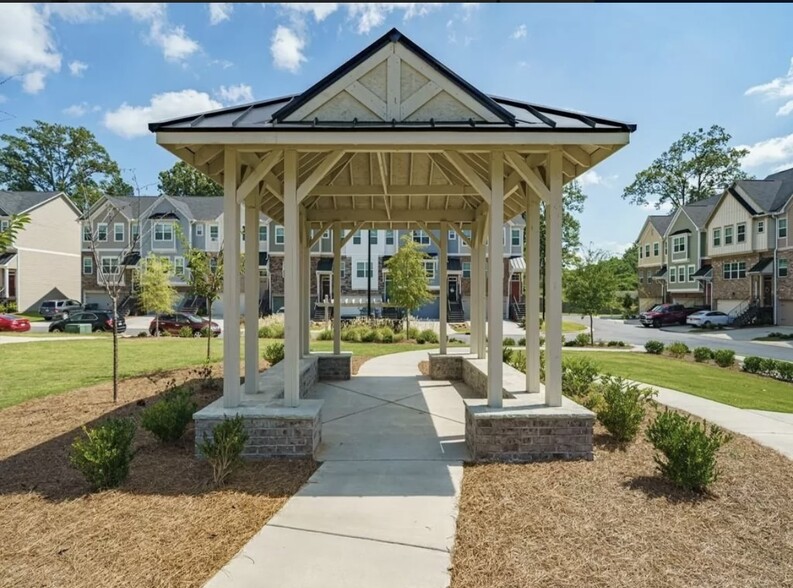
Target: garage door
[
  {"x": 99, "y": 298},
  {"x": 786, "y": 313},
  {"x": 727, "y": 305}
]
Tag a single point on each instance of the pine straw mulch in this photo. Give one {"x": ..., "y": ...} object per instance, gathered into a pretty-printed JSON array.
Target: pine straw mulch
[
  {"x": 614, "y": 523},
  {"x": 424, "y": 368},
  {"x": 165, "y": 526},
  {"x": 357, "y": 362}
]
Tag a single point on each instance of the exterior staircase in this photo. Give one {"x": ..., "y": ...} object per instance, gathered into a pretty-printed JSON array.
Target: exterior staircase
[
  {"x": 194, "y": 304},
  {"x": 319, "y": 313},
  {"x": 517, "y": 310},
  {"x": 745, "y": 314},
  {"x": 455, "y": 313}
]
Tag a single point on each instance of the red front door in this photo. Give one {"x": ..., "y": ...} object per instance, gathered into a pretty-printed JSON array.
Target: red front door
[{"x": 515, "y": 291}]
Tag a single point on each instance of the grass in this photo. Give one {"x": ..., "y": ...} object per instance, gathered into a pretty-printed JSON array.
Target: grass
[
  {"x": 775, "y": 338},
  {"x": 729, "y": 386}
]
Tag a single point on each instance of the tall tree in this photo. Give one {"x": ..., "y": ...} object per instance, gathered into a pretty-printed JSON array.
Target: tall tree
[
  {"x": 58, "y": 158},
  {"x": 15, "y": 224},
  {"x": 155, "y": 291},
  {"x": 697, "y": 166},
  {"x": 407, "y": 278},
  {"x": 591, "y": 286},
  {"x": 184, "y": 180}
]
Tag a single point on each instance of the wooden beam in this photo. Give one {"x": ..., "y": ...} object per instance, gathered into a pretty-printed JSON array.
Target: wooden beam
[
  {"x": 469, "y": 174},
  {"x": 319, "y": 172},
  {"x": 423, "y": 226},
  {"x": 423, "y": 95},
  {"x": 368, "y": 215},
  {"x": 274, "y": 185},
  {"x": 394, "y": 190},
  {"x": 318, "y": 235},
  {"x": 530, "y": 176},
  {"x": 462, "y": 236},
  {"x": 368, "y": 98},
  {"x": 257, "y": 175},
  {"x": 384, "y": 179},
  {"x": 393, "y": 87},
  {"x": 205, "y": 154},
  {"x": 578, "y": 155},
  {"x": 350, "y": 235}
]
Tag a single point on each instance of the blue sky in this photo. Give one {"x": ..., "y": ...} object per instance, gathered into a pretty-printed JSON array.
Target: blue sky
[{"x": 667, "y": 68}]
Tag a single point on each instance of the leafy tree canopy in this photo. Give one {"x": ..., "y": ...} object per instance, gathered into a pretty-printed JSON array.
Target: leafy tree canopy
[
  {"x": 155, "y": 291},
  {"x": 15, "y": 225},
  {"x": 184, "y": 180},
  {"x": 408, "y": 277},
  {"x": 591, "y": 286}
]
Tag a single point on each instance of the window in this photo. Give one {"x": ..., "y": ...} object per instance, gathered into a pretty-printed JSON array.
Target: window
[
  {"x": 452, "y": 235},
  {"x": 163, "y": 232},
  {"x": 372, "y": 237},
  {"x": 641, "y": 277},
  {"x": 760, "y": 227},
  {"x": 782, "y": 228},
  {"x": 647, "y": 249},
  {"x": 656, "y": 248},
  {"x": 279, "y": 235},
  {"x": 781, "y": 268},
  {"x": 199, "y": 230},
  {"x": 389, "y": 237},
  {"x": 88, "y": 266},
  {"x": 740, "y": 233},
  {"x": 672, "y": 275},
  {"x": 86, "y": 230},
  {"x": 109, "y": 266},
  {"x": 421, "y": 237},
  {"x": 4, "y": 227},
  {"x": 262, "y": 233},
  {"x": 214, "y": 232},
  {"x": 681, "y": 274},
  {"x": 360, "y": 269},
  {"x": 516, "y": 237},
  {"x": 728, "y": 235},
  {"x": 134, "y": 232},
  {"x": 691, "y": 272},
  {"x": 734, "y": 270},
  {"x": 641, "y": 252},
  {"x": 101, "y": 232},
  {"x": 178, "y": 266},
  {"x": 678, "y": 247},
  {"x": 118, "y": 232},
  {"x": 717, "y": 237},
  {"x": 342, "y": 269},
  {"x": 666, "y": 247},
  {"x": 356, "y": 238},
  {"x": 466, "y": 269},
  {"x": 429, "y": 266}
]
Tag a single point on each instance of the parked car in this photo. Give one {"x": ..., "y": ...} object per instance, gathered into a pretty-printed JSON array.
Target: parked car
[
  {"x": 708, "y": 318},
  {"x": 51, "y": 309},
  {"x": 666, "y": 314},
  {"x": 173, "y": 323},
  {"x": 98, "y": 319},
  {"x": 10, "y": 322}
]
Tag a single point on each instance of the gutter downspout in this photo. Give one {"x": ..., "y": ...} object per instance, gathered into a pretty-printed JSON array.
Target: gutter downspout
[{"x": 774, "y": 267}]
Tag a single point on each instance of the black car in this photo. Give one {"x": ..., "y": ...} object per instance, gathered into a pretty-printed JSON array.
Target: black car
[{"x": 98, "y": 319}]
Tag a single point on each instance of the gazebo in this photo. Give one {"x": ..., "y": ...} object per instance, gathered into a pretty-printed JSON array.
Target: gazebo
[{"x": 392, "y": 139}]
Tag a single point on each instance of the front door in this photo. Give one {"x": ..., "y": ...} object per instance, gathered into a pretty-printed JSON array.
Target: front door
[
  {"x": 324, "y": 287},
  {"x": 453, "y": 290},
  {"x": 12, "y": 283},
  {"x": 515, "y": 290},
  {"x": 767, "y": 300}
]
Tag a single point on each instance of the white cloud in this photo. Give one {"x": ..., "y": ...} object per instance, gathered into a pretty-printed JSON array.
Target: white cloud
[
  {"x": 785, "y": 109},
  {"x": 612, "y": 247},
  {"x": 520, "y": 32},
  {"x": 26, "y": 46},
  {"x": 320, "y": 10},
  {"x": 76, "y": 110},
  {"x": 222, "y": 63},
  {"x": 174, "y": 42},
  {"x": 772, "y": 151},
  {"x": 781, "y": 87},
  {"x": 370, "y": 15},
  {"x": 76, "y": 68},
  {"x": 234, "y": 94},
  {"x": 592, "y": 178},
  {"x": 220, "y": 11},
  {"x": 131, "y": 121},
  {"x": 287, "y": 49}
]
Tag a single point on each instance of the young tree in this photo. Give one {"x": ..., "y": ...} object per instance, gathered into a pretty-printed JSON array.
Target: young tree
[
  {"x": 591, "y": 287},
  {"x": 408, "y": 278},
  {"x": 155, "y": 291},
  {"x": 59, "y": 158},
  {"x": 185, "y": 180},
  {"x": 15, "y": 225},
  {"x": 205, "y": 277},
  {"x": 697, "y": 166}
]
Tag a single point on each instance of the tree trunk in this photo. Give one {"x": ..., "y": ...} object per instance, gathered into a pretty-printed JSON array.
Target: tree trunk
[
  {"x": 209, "y": 330},
  {"x": 591, "y": 331},
  {"x": 407, "y": 325},
  {"x": 115, "y": 349}
]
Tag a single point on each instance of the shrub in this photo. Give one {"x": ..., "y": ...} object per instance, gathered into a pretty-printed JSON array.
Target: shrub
[
  {"x": 167, "y": 418},
  {"x": 368, "y": 335},
  {"x": 624, "y": 407},
  {"x": 412, "y": 333},
  {"x": 272, "y": 327},
  {"x": 616, "y": 344},
  {"x": 384, "y": 335},
  {"x": 594, "y": 401},
  {"x": 784, "y": 370},
  {"x": 224, "y": 448},
  {"x": 142, "y": 334},
  {"x": 104, "y": 454},
  {"x": 325, "y": 335},
  {"x": 399, "y": 337},
  {"x": 522, "y": 342},
  {"x": 274, "y": 352},
  {"x": 678, "y": 349},
  {"x": 578, "y": 375},
  {"x": 517, "y": 359},
  {"x": 542, "y": 340},
  {"x": 509, "y": 341},
  {"x": 429, "y": 336},
  {"x": 768, "y": 367},
  {"x": 753, "y": 364},
  {"x": 506, "y": 354},
  {"x": 724, "y": 357},
  {"x": 420, "y": 340},
  {"x": 702, "y": 354},
  {"x": 688, "y": 449},
  {"x": 185, "y": 332},
  {"x": 583, "y": 340},
  {"x": 654, "y": 347}
]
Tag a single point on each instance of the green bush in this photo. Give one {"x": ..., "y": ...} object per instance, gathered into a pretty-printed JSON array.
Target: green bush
[
  {"x": 654, "y": 347},
  {"x": 399, "y": 337},
  {"x": 516, "y": 359},
  {"x": 420, "y": 340},
  {"x": 224, "y": 449},
  {"x": 384, "y": 335},
  {"x": 542, "y": 340},
  {"x": 616, "y": 344},
  {"x": 368, "y": 335},
  {"x": 784, "y": 371},
  {"x": 272, "y": 331},
  {"x": 753, "y": 364},
  {"x": 583, "y": 340},
  {"x": 522, "y": 342},
  {"x": 678, "y": 349},
  {"x": 702, "y": 354},
  {"x": 724, "y": 357},
  {"x": 688, "y": 449},
  {"x": 506, "y": 354},
  {"x": 168, "y": 418},
  {"x": 274, "y": 353},
  {"x": 509, "y": 342},
  {"x": 412, "y": 333},
  {"x": 104, "y": 454},
  {"x": 768, "y": 367},
  {"x": 578, "y": 375},
  {"x": 325, "y": 335},
  {"x": 185, "y": 332},
  {"x": 429, "y": 336},
  {"x": 624, "y": 407}
]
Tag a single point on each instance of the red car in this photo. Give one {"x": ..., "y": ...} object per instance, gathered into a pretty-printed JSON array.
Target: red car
[
  {"x": 9, "y": 322},
  {"x": 174, "y": 323}
]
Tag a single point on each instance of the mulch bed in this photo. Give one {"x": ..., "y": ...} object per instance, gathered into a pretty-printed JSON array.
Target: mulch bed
[
  {"x": 165, "y": 526},
  {"x": 614, "y": 523}
]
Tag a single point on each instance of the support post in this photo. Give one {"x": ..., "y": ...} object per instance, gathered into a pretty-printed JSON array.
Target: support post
[
  {"x": 553, "y": 283},
  {"x": 231, "y": 281},
  {"x": 531, "y": 281},
  {"x": 482, "y": 280},
  {"x": 252, "y": 294},
  {"x": 337, "y": 261},
  {"x": 474, "y": 297},
  {"x": 291, "y": 282},
  {"x": 495, "y": 302},
  {"x": 305, "y": 282},
  {"x": 444, "y": 293}
]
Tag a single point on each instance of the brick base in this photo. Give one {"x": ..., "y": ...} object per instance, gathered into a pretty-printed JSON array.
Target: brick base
[
  {"x": 445, "y": 367},
  {"x": 334, "y": 367}
]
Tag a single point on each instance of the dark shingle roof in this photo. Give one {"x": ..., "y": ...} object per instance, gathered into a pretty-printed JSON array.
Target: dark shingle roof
[
  {"x": 761, "y": 265},
  {"x": 660, "y": 222},
  {"x": 703, "y": 271},
  {"x": 18, "y": 202},
  {"x": 769, "y": 194},
  {"x": 699, "y": 211},
  {"x": 202, "y": 207}
]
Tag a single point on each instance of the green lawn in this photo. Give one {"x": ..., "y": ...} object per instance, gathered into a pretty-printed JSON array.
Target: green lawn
[
  {"x": 708, "y": 381},
  {"x": 567, "y": 327}
]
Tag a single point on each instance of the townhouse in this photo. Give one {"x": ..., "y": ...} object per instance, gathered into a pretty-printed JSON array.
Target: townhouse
[{"x": 651, "y": 249}]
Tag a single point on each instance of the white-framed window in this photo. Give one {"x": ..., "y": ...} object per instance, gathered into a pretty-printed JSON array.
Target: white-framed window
[
  {"x": 656, "y": 248},
  {"x": 641, "y": 252},
  {"x": 421, "y": 238},
  {"x": 740, "y": 233},
  {"x": 342, "y": 269},
  {"x": 4, "y": 224},
  {"x": 199, "y": 230},
  {"x": 681, "y": 274},
  {"x": 781, "y": 228},
  {"x": 389, "y": 237},
  {"x": 467, "y": 233},
  {"x": 728, "y": 235},
  {"x": 163, "y": 232},
  {"x": 88, "y": 265},
  {"x": 647, "y": 249},
  {"x": 781, "y": 268},
  {"x": 452, "y": 235},
  {"x": 717, "y": 237},
  {"x": 214, "y": 232},
  {"x": 101, "y": 232},
  {"x": 691, "y": 271},
  {"x": 134, "y": 232},
  {"x": 679, "y": 244},
  {"x": 356, "y": 238},
  {"x": 262, "y": 273},
  {"x": 666, "y": 248},
  {"x": 262, "y": 233},
  {"x": 429, "y": 266},
  {"x": 360, "y": 269},
  {"x": 279, "y": 234},
  {"x": 641, "y": 277},
  {"x": 515, "y": 237},
  {"x": 118, "y": 231},
  {"x": 109, "y": 266},
  {"x": 734, "y": 270},
  {"x": 373, "y": 237},
  {"x": 178, "y": 266},
  {"x": 760, "y": 227},
  {"x": 672, "y": 275},
  {"x": 86, "y": 229},
  {"x": 466, "y": 269}
]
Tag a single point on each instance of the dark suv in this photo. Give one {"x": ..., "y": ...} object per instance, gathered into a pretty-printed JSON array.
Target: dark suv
[
  {"x": 666, "y": 314},
  {"x": 98, "y": 319}
]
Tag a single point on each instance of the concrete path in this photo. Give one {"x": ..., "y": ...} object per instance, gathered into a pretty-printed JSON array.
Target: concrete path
[
  {"x": 5, "y": 340},
  {"x": 381, "y": 510}
]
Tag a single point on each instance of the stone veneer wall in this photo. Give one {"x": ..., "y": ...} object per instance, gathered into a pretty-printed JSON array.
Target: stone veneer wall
[
  {"x": 334, "y": 367},
  {"x": 446, "y": 367}
]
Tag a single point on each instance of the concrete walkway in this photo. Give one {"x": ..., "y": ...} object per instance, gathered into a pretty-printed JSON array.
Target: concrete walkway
[
  {"x": 381, "y": 510},
  {"x": 7, "y": 340}
]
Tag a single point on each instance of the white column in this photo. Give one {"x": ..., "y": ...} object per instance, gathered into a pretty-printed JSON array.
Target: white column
[
  {"x": 553, "y": 283},
  {"x": 231, "y": 281},
  {"x": 291, "y": 282},
  {"x": 337, "y": 237},
  {"x": 444, "y": 282},
  {"x": 495, "y": 301},
  {"x": 531, "y": 280},
  {"x": 252, "y": 295},
  {"x": 473, "y": 295},
  {"x": 481, "y": 340},
  {"x": 306, "y": 282},
  {"x": 301, "y": 274}
]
